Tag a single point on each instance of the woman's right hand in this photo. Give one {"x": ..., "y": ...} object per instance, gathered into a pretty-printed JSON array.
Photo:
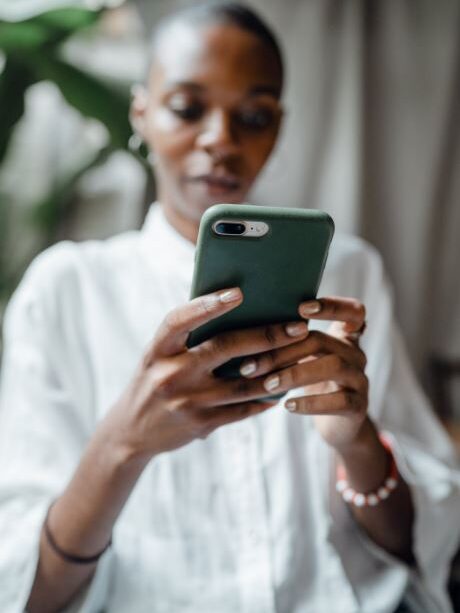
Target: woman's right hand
[{"x": 174, "y": 396}]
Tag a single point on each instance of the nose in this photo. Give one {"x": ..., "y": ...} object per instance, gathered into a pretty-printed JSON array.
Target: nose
[{"x": 217, "y": 137}]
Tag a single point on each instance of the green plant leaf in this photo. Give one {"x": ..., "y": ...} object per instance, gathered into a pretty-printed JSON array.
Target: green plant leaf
[
  {"x": 48, "y": 29},
  {"x": 90, "y": 96},
  {"x": 15, "y": 11},
  {"x": 22, "y": 36},
  {"x": 70, "y": 19},
  {"x": 14, "y": 81}
]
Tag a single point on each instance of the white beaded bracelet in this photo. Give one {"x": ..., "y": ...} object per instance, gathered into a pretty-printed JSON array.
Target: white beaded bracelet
[{"x": 371, "y": 499}]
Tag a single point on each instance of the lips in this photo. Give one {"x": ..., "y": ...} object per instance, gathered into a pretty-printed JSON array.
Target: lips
[{"x": 218, "y": 181}]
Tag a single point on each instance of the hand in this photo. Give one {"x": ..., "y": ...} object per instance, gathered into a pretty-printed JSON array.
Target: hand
[
  {"x": 174, "y": 397},
  {"x": 330, "y": 368}
]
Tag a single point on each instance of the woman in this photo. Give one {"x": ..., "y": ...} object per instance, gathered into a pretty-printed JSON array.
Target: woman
[{"x": 134, "y": 480}]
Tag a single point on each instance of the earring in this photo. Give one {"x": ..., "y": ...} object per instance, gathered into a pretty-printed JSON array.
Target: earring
[
  {"x": 138, "y": 147},
  {"x": 135, "y": 142},
  {"x": 152, "y": 158}
]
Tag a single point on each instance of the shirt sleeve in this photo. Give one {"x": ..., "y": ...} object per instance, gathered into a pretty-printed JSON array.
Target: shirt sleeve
[
  {"x": 424, "y": 454},
  {"x": 45, "y": 419}
]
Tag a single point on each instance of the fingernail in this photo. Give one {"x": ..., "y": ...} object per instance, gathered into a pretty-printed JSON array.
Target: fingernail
[
  {"x": 231, "y": 295},
  {"x": 271, "y": 383},
  {"x": 296, "y": 329},
  {"x": 290, "y": 405},
  {"x": 310, "y": 308},
  {"x": 248, "y": 368}
]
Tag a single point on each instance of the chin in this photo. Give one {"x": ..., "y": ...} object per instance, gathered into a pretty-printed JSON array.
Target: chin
[{"x": 195, "y": 207}]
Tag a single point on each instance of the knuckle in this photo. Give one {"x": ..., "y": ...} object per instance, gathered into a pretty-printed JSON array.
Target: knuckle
[
  {"x": 205, "y": 433},
  {"x": 172, "y": 321},
  {"x": 241, "y": 386},
  {"x": 362, "y": 357},
  {"x": 314, "y": 339},
  {"x": 290, "y": 377},
  {"x": 162, "y": 387},
  {"x": 348, "y": 401},
  {"x": 203, "y": 352},
  {"x": 244, "y": 410},
  {"x": 183, "y": 404},
  {"x": 205, "y": 304},
  {"x": 201, "y": 424},
  {"x": 268, "y": 361},
  {"x": 337, "y": 363},
  {"x": 219, "y": 343},
  {"x": 364, "y": 383},
  {"x": 164, "y": 384},
  {"x": 270, "y": 334},
  {"x": 332, "y": 307},
  {"x": 241, "y": 411}
]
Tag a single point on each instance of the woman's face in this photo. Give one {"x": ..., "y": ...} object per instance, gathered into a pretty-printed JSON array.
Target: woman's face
[{"x": 211, "y": 115}]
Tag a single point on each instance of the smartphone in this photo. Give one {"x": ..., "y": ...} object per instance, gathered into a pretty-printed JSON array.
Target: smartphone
[{"x": 276, "y": 256}]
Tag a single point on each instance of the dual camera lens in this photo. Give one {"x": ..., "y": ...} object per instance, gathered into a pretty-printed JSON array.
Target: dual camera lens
[
  {"x": 250, "y": 228},
  {"x": 228, "y": 228}
]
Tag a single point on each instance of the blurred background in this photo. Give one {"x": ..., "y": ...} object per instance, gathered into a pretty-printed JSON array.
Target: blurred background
[{"x": 371, "y": 135}]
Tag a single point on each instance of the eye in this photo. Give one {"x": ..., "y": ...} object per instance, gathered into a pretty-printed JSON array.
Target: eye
[
  {"x": 186, "y": 109},
  {"x": 255, "y": 119}
]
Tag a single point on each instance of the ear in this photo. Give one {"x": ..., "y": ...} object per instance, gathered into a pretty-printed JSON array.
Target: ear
[{"x": 137, "y": 111}]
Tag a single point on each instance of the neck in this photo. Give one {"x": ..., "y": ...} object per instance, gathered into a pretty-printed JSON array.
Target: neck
[{"x": 188, "y": 228}]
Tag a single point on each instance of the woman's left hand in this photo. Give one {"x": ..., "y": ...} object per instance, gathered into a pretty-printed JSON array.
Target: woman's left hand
[{"x": 330, "y": 368}]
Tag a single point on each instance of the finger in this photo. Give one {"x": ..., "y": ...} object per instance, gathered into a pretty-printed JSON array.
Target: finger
[
  {"x": 228, "y": 345},
  {"x": 339, "y": 330},
  {"x": 316, "y": 343},
  {"x": 343, "y": 402},
  {"x": 356, "y": 336},
  {"x": 221, "y": 416},
  {"x": 348, "y": 310},
  {"x": 328, "y": 368},
  {"x": 325, "y": 369},
  {"x": 222, "y": 392},
  {"x": 172, "y": 334}
]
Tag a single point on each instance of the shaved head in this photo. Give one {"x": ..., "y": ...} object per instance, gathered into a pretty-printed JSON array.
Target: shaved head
[{"x": 178, "y": 25}]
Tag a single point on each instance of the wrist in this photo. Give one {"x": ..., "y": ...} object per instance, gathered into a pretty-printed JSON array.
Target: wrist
[
  {"x": 365, "y": 439},
  {"x": 365, "y": 459},
  {"x": 121, "y": 453}
]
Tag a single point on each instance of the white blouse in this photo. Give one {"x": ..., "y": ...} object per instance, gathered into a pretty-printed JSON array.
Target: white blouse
[{"x": 242, "y": 522}]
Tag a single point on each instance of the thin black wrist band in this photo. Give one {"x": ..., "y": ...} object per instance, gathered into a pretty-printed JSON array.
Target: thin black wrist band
[{"x": 70, "y": 557}]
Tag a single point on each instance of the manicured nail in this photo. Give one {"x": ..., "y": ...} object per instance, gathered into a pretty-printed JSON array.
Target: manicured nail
[
  {"x": 213, "y": 301},
  {"x": 271, "y": 383},
  {"x": 290, "y": 405},
  {"x": 231, "y": 295},
  {"x": 296, "y": 329},
  {"x": 310, "y": 308},
  {"x": 248, "y": 368}
]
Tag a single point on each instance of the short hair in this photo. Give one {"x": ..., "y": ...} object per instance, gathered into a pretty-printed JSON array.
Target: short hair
[{"x": 231, "y": 13}]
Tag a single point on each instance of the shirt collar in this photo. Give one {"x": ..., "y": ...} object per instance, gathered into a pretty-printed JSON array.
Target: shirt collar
[{"x": 164, "y": 243}]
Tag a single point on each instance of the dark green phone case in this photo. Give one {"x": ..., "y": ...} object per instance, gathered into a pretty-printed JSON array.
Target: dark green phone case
[{"x": 275, "y": 272}]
